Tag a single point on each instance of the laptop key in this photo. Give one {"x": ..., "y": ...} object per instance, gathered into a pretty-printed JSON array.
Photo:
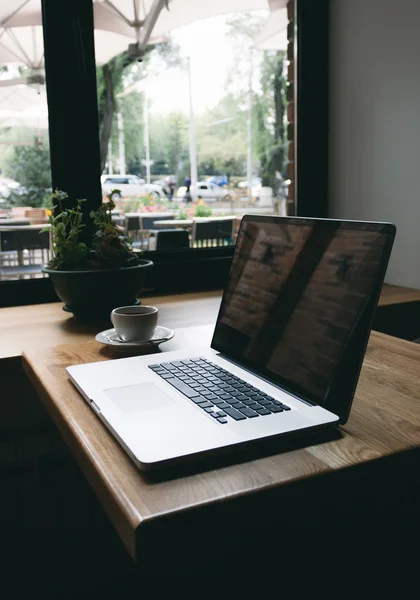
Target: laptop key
[
  {"x": 249, "y": 402},
  {"x": 248, "y": 412},
  {"x": 218, "y": 402},
  {"x": 206, "y": 405},
  {"x": 254, "y": 406},
  {"x": 274, "y": 408},
  {"x": 285, "y": 407},
  {"x": 209, "y": 395},
  {"x": 209, "y": 410},
  {"x": 226, "y": 397},
  {"x": 262, "y": 411},
  {"x": 257, "y": 397},
  {"x": 238, "y": 405},
  {"x": 166, "y": 375},
  {"x": 169, "y": 366},
  {"x": 199, "y": 399},
  {"x": 235, "y": 414},
  {"x": 216, "y": 390},
  {"x": 183, "y": 388},
  {"x": 222, "y": 420},
  {"x": 222, "y": 405}
]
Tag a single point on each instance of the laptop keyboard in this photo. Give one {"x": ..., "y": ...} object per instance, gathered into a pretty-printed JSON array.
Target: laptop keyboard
[{"x": 217, "y": 391}]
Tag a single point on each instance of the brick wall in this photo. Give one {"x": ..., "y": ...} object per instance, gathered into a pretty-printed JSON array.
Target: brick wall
[
  {"x": 291, "y": 108},
  {"x": 322, "y": 316}
]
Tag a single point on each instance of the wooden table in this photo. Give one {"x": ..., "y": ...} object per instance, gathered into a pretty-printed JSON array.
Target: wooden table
[
  {"x": 15, "y": 221},
  {"x": 21, "y": 228},
  {"x": 187, "y": 223},
  {"x": 235, "y": 505}
]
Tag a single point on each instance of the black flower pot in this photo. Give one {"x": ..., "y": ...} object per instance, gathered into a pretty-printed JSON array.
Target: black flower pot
[{"x": 92, "y": 295}]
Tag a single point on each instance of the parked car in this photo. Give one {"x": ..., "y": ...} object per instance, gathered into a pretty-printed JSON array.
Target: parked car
[
  {"x": 210, "y": 192},
  {"x": 219, "y": 180},
  {"x": 6, "y": 187},
  {"x": 130, "y": 185}
]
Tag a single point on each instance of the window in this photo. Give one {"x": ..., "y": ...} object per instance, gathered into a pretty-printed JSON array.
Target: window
[
  {"x": 197, "y": 143},
  {"x": 25, "y": 173},
  {"x": 118, "y": 180},
  {"x": 165, "y": 173}
]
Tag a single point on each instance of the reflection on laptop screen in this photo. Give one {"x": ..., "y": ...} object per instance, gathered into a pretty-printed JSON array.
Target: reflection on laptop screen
[{"x": 296, "y": 291}]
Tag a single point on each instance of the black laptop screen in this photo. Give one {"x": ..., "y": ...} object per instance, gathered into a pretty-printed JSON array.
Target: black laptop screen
[{"x": 296, "y": 292}]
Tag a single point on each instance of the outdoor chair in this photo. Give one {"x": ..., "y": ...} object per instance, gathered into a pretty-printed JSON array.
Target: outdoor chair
[
  {"x": 212, "y": 232},
  {"x": 148, "y": 226},
  {"x": 35, "y": 242},
  {"x": 133, "y": 227},
  {"x": 169, "y": 239}
]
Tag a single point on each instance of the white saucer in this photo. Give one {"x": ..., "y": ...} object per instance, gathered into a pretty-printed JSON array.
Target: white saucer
[{"x": 110, "y": 337}]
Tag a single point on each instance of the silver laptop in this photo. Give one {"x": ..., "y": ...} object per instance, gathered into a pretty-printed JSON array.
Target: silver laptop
[{"x": 286, "y": 352}]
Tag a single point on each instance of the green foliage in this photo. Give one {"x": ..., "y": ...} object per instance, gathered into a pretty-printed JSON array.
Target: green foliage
[
  {"x": 30, "y": 167},
  {"x": 108, "y": 248},
  {"x": 123, "y": 71},
  {"x": 182, "y": 215},
  {"x": 202, "y": 210}
]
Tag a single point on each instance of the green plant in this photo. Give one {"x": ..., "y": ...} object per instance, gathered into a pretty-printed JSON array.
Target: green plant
[
  {"x": 182, "y": 215},
  {"x": 30, "y": 167},
  {"x": 107, "y": 249},
  {"x": 202, "y": 210}
]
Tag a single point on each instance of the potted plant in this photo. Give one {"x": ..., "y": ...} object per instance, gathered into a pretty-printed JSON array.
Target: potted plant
[{"x": 92, "y": 276}]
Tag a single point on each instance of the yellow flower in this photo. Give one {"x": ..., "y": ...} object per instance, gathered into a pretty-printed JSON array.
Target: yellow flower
[{"x": 49, "y": 212}]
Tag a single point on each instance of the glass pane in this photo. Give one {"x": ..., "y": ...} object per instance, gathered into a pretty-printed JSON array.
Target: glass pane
[
  {"x": 203, "y": 112},
  {"x": 25, "y": 176}
]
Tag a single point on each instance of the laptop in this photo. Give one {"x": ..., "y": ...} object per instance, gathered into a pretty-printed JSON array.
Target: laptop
[{"x": 286, "y": 352}]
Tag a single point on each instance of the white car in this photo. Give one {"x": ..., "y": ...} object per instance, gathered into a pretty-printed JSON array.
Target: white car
[
  {"x": 130, "y": 185},
  {"x": 6, "y": 186},
  {"x": 210, "y": 192}
]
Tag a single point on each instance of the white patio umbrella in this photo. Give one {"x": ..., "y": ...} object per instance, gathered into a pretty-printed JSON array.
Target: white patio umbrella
[
  {"x": 170, "y": 14},
  {"x": 36, "y": 118},
  {"x": 274, "y": 33},
  {"x": 21, "y": 36},
  {"x": 20, "y": 97},
  {"x": 119, "y": 24}
]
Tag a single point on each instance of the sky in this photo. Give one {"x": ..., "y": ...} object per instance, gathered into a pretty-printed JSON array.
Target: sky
[{"x": 211, "y": 50}]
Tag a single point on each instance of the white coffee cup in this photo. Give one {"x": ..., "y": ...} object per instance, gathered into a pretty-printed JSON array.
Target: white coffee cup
[{"x": 135, "y": 323}]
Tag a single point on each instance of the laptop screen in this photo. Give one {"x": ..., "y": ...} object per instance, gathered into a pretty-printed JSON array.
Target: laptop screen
[{"x": 297, "y": 293}]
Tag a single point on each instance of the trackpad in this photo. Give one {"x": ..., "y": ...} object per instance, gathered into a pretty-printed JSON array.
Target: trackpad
[{"x": 141, "y": 396}]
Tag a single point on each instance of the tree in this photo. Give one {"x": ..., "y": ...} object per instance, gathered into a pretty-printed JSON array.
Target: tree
[
  {"x": 109, "y": 78},
  {"x": 124, "y": 69},
  {"x": 30, "y": 166},
  {"x": 269, "y": 101},
  {"x": 271, "y": 107}
]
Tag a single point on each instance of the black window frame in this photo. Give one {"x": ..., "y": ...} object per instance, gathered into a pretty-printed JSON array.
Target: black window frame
[{"x": 180, "y": 271}]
